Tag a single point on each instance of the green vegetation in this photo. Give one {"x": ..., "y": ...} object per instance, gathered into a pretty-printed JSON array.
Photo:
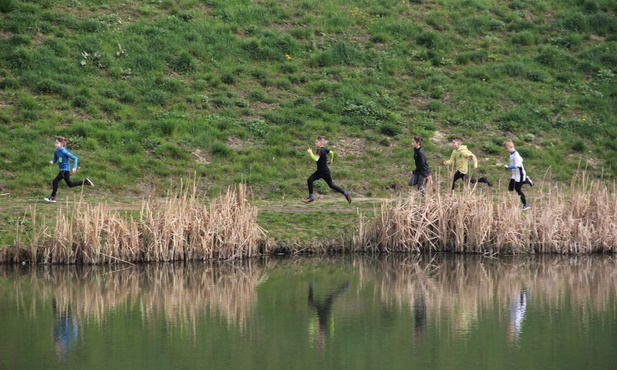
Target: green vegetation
[{"x": 235, "y": 91}]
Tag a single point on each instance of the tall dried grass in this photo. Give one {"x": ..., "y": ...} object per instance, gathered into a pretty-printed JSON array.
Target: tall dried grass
[
  {"x": 183, "y": 228},
  {"x": 576, "y": 220}
]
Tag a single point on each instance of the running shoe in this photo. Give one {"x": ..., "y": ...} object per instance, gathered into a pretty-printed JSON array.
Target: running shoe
[
  {"x": 348, "y": 197},
  {"x": 88, "y": 182},
  {"x": 308, "y": 200},
  {"x": 50, "y": 199},
  {"x": 526, "y": 207},
  {"x": 484, "y": 179},
  {"x": 528, "y": 181}
]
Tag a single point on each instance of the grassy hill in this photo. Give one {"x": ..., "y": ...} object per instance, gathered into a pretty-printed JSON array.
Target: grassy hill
[{"x": 231, "y": 91}]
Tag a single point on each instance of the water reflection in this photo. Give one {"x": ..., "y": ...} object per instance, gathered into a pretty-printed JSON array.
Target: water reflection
[
  {"x": 66, "y": 329},
  {"x": 517, "y": 315},
  {"x": 395, "y": 309},
  {"x": 323, "y": 309},
  {"x": 428, "y": 286},
  {"x": 458, "y": 288},
  {"x": 179, "y": 293}
]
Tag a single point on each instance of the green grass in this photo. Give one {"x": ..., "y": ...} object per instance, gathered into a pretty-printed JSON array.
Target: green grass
[{"x": 148, "y": 92}]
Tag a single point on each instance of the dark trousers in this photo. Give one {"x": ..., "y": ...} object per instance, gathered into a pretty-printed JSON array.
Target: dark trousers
[
  {"x": 518, "y": 186},
  {"x": 419, "y": 181},
  {"x": 66, "y": 175},
  {"x": 461, "y": 176},
  {"x": 326, "y": 177}
]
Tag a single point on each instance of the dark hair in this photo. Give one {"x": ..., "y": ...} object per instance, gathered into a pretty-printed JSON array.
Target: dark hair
[
  {"x": 61, "y": 140},
  {"x": 418, "y": 139},
  {"x": 458, "y": 139},
  {"x": 321, "y": 138}
]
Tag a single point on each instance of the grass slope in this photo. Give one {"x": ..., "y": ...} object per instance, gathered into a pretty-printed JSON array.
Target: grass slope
[{"x": 235, "y": 90}]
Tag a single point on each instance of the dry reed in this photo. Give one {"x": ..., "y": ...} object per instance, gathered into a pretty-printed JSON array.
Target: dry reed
[
  {"x": 581, "y": 219},
  {"x": 183, "y": 228}
]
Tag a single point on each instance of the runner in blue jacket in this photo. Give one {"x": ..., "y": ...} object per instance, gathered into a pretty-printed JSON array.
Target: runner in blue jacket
[{"x": 63, "y": 157}]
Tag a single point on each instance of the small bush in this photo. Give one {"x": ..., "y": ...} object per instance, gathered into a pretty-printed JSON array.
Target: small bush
[
  {"x": 228, "y": 78},
  {"x": 525, "y": 38},
  {"x": 183, "y": 63},
  {"x": 390, "y": 129},
  {"x": 7, "y": 6},
  {"x": 221, "y": 150},
  {"x": 579, "y": 146},
  {"x": 529, "y": 137},
  {"x": 431, "y": 40},
  {"x": 172, "y": 151},
  {"x": 491, "y": 148},
  {"x": 434, "y": 106}
]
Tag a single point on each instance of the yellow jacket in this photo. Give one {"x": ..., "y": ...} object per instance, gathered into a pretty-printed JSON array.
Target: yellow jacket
[{"x": 460, "y": 158}]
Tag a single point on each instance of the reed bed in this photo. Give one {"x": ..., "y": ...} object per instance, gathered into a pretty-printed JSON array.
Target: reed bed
[
  {"x": 576, "y": 220},
  {"x": 182, "y": 228}
]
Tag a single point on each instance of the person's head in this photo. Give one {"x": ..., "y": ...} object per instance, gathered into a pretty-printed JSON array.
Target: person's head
[
  {"x": 320, "y": 141},
  {"x": 509, "y": 145},
  {"x": 60, "y": 142},
  {"x": 417, "y": 142},
  {"x": 456, "y": 143}
]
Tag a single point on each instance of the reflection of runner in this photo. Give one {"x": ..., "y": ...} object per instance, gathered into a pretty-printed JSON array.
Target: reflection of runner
[
  {"x": 66, "y": 330},
  {"x": 517, "y": 314},
  {"x": 323, "y": 311},
  {"x": 419, "y": 316}
]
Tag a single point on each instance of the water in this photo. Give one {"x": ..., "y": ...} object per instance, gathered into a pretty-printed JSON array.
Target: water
[{"x": 413, "y": 312}]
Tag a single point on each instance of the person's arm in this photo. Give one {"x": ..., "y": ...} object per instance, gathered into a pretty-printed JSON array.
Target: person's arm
[
  {"x": 312, "y": 155},
  {"x": 468, "y": 154},
  {"x": 330, "y": 157},
  {"x": 516, "y": 161},
  {"x": 451, "y": 160},
  {"x": 423, "y": 160},
  {"x": 73, "y": 157}
]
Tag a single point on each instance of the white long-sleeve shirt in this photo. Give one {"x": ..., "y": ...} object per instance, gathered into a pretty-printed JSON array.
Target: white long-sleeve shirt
[{"x": 516, "y": 165}]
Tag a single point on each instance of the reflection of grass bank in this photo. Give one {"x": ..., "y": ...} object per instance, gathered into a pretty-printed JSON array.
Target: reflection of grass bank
[{"x": 581, "y": 219}]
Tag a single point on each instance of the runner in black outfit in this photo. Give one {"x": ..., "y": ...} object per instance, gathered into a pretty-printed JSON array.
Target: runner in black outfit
[
  {"x": 422, "y": 172},
  {"x": 323, "y": 172}
]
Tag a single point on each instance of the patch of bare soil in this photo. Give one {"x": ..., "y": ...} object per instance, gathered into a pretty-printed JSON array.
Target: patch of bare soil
[{"x": 350, "y": 146}]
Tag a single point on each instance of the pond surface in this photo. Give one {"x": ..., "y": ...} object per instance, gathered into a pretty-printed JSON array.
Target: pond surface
[{"x": 414, "y": 312}]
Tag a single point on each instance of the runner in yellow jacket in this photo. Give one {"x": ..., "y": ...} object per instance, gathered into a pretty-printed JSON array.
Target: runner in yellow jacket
[{"x": 460, "y": 159}]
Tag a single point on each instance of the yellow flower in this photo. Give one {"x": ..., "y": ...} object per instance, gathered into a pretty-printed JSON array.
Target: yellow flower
[{"x": 288, "y": 56}]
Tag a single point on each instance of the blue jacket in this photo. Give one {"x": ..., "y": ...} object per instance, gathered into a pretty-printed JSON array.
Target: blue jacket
[{"x": 61, "y": 156}]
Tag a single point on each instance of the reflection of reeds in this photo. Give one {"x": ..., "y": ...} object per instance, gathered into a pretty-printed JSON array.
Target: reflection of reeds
[
  {"x": 177, "y": 293},
  {"x": 448, "y": 291},
  {"x": 582, "y": 219},
  {"x": 181, "y": 229},
  {"x": 456, "y": 288}
]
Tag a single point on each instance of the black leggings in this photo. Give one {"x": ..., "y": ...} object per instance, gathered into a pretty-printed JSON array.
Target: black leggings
[
  {"x": 326, "y": 176},
  {"x": 66, "y": 175},
  {"x": 518, "y": 186},
  {"x": 458, "y": 175}
]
